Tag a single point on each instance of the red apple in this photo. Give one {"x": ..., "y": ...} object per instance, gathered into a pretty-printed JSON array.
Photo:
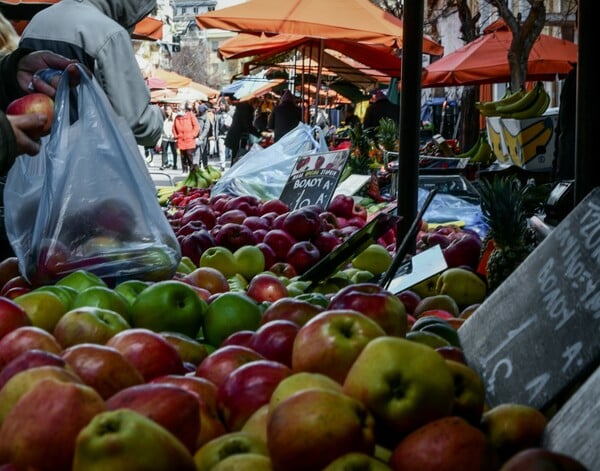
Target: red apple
[
  {"x": 280, "y": 241},
  {"x": 283, "y": 269},
  {"x": 150, "y": 353},
  {"x": 542, "y": 459},
  {"x": 268, "y": 252},
  {"x": 102, "y": 367},
  {"x": 231, "y": 216},
  {"x": 246, "y": 389},
  {"x": 193, "y": 245},
  {"x": 191, "y": 351},
  {"x": 190, "y": 227},
  {"x": 341, "y": 205},
  {"x": 26, "y": 338},
  {"x": 88, "y": 324},
  {"x": 410, "y": 299},
  {"x": 208, "y": 278},
  {"x": 326, "y": 241},
  {"x": 241, "y": 337},
  {"x": 211, "y": 425},
  {"x": 30, "y": 437},
  {"x": 235, "y": 235},
  {"x": 375, "y": 302},
  {"x": 200, "y": 212},
  {"x": 266, "y": 287},
  {"x": 275, "y": 205},
  {"x": 328, "y": 221},
  {"x": 18, "y": 283},
  {"x": 296, "y": 310},
  {"x": 303, "y": 255},
  {"x": 463, "y": 250},
  {"x": 29, "y": 359},
  {"x": 12, "y": 316},
  {"x": 255, "y": 223},
  {"x": 331, "y": 341},
  {"x": 38, "y": 103},
  {"x": 171, "y": 406},
  {"x": 220, "y": 363},
  {"x": 274, "y": 340},
  {"x": 313, "y": 427},
  {"x": 250, "y": 204},
  {"x": 302, "y": 224}
]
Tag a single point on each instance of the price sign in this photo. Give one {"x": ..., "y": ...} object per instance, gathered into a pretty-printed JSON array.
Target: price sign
[{"x": 314, "y": 179}]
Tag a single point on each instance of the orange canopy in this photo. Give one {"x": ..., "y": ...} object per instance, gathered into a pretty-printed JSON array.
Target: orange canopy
[
  {"x": 354, "y": 20},
  {"x": 485, "y": 60},
  {"x": 172, "y": 79}
]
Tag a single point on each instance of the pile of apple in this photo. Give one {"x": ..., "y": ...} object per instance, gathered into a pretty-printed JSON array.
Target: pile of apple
[{"x": 189, "y": 374}]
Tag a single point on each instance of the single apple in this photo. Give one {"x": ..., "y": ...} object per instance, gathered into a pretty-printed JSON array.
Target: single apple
[
  {"x": 247, "y": 388},
  {"x": 195, "y": 244},
  {"x": 128, "y": 440},
  {"x": 235, "y": 235},
  {"x": 244, "y": 462},
  {"x": 241, "y": 337},
  {"x": 444, "y": 444},
  {"x": 375, "y": 302},
  {"x": 469, "y": 392},
  {"x": 310, "y": 429},
  {"x": 208, "y": 278},
  {"x": 88, "y": 324},
  {"x": 230, "y": 444},
  {"x": 169, "y": 405},
  {"x": 12, "y": 316},
  {"x": 38, "y": 103},
  {"x": 147, "y": 351},
  {"x": 228, "y": 313},
  {"x": 250, "y": 261},
  {"x": 203, "y": 213},
  {"x": 26, "y": 338},
  {"x": 184, "y": 307},
  {"x": 103, "y": 297},
  {"x": 542, "y": 459},
  {"x": 326, "y": 242},
  {"x": 283, "y": 270},
  {"x": 266, "y": 287},
  {"x": 410, "y": 299},
  {"x": 220, "y": 258},
  {"x": 280, "y": 241},
  {"x": 331, "y": 341},
  {"x": 275, "y": 339},
  {"x": 220, "y": 363},
  {"x": 427, "y": 387},
  {"x": 303, "y": 224},
  {"x": 43, "y": 308},
  {"x": 268, "y": 253},
  {"x": 103, "y": 368},
  {"x": 190, "y": 350},
  {"x": 274, "y": 205},
  {"x": 303, "y": 255},
  {"x": 299, "y": 381},
  {"x": 356, "y": 460},
  {"x": 29, "y": 436},
  {"x": 130, "y": 289},
  {"x": 66, "y": 294},
  {"x": 231, "y": 216},
  {"x": 296, "y": 310},
  {"x": 29, "y": 359},
  {"x": 81, "y": 279},
  {"x": 436, "y": 301},
  {"x": 256, "y": 424}
]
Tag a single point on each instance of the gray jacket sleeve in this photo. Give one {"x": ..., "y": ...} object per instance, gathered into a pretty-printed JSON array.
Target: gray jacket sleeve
[{"x": 119, "y": 74}]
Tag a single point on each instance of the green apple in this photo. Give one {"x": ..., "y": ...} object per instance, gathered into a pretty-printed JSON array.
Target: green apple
[
  {"x": 404, "y": 384},
  {"x": 221, "y": 258},
  {"x": 469, "y": 392},
  {"x": 103, "y": 297},
  {"x": 65, "y": 293},
  {"x": 357, "y": 461},
  {"x": 130, "y": 289},
  {"x": 375, "y": 259},
  {"x": 230, "y": 312},
  {"x": 169, "y": 305},
  {"x": 43, "y": 308},
  {"x": 250, "y": 261},
  {"x": 462, "y": 285},
  {"x": 81, "y": 279},
  {"x": 232, "y": 443},
  {"x": 190, "y": 350},
  {"x": 300, "y": 381},
  {"x": 244, "y": 462},
  {"x": 126, "y": 440},
  {"x": 157, "y": 264},
  {"x": 88, "y": 324}
]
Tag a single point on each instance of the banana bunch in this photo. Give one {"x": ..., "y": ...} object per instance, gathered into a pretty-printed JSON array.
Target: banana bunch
[
  {"x": 519, "y": 105},
  {"x": 481, "y": 152},
  {"x": 164, "y": 193},
  {"x": 202, "y": 177}
]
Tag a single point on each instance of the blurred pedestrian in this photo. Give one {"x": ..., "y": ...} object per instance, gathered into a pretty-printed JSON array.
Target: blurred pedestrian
[
  {"x": 379, "y": 107},
  {"x": 238, "y": 136},
  {"x": 285, "y": 116},
  {"x": 202, "y": 144},
  {"x": 185, "y": 131},
  {"x": 98, "y": 34},
  {"x": 168, "y": 140},
  {"x": 223, "y": 119}
]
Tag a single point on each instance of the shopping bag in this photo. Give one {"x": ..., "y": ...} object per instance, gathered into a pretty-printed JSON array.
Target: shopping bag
[
  {"x": 263, "y": 172},
  {"x": 87, "y": 200}
]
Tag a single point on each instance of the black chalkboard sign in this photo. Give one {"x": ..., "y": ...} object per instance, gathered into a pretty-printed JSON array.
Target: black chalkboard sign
[
  {"x": 313, "y": 179},
  {"x": 537, "y": 334},
  {"x": 575, "y": 429}
]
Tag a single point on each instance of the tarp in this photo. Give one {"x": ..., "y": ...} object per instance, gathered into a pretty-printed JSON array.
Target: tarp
[
  {"x": 355, "y": 20},
  {"x": 485, "y": 60}
]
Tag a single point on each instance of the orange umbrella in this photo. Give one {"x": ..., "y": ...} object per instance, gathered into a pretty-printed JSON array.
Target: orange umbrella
[
  {"x": 354, "y": 20},
  {"x": 173, "y": 79},
  {"x": 485, "y": 60}
]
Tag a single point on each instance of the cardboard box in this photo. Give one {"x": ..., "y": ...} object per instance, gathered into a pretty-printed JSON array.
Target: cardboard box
[{"x": 526, "y": 143}]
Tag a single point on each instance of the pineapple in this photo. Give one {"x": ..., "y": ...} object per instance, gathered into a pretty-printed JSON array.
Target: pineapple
[
  {"x": 387, "y": 134},
  {"x": 359, "y": 160},
  {"x": 502, "y": 200}
]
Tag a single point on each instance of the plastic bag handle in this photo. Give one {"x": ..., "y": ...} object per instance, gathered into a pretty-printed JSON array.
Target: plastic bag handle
[{"x": 318, "y": 145}]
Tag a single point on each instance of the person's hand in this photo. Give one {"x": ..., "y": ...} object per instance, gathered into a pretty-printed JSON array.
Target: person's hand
[
  {"x": 25, "y": 126},
  {"x": 36, "y": 61}
]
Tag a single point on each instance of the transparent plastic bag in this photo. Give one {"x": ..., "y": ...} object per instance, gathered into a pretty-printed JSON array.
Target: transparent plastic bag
[
  {"x": 87, "y": 201},
  {"x": 263, "y": 172}
]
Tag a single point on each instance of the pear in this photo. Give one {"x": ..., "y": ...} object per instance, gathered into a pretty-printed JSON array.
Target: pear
[{"x": 124, "y": 440}]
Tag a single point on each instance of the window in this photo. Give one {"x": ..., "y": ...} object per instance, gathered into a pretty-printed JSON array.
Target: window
[
  {"x": 211, "y": 8},
  {"x": 214, "y": 46},
  {"x": 183, "y": 10}
]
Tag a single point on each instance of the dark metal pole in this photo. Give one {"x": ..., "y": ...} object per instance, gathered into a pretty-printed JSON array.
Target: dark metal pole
[
  {"x": 587, "y": 176},
  {"x": 410, "y": 109}
]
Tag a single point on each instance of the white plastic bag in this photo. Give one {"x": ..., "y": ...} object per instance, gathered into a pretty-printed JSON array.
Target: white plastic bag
[{"x": 263, "y": 172}]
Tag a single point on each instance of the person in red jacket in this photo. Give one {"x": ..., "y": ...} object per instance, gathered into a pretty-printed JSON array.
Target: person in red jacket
[{"x": 185, "y": 131}]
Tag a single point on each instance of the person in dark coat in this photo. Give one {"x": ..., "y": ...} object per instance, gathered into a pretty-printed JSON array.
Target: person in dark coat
[
  {"x": 241, "y": 127},
  {"x": 564, "y": 161},
  {"x": 285, "y": 116},
  {"x": 380, "y": 107}
]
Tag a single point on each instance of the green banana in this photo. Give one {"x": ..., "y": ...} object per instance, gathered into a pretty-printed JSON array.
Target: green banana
[
  {"x": 536, "y": 109},
  {"x": 472, "y": 151},
  {"x": 490, "y": 108},
  {"x": 525, "y": 102},
  {"x": 484, "y": 153}
]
